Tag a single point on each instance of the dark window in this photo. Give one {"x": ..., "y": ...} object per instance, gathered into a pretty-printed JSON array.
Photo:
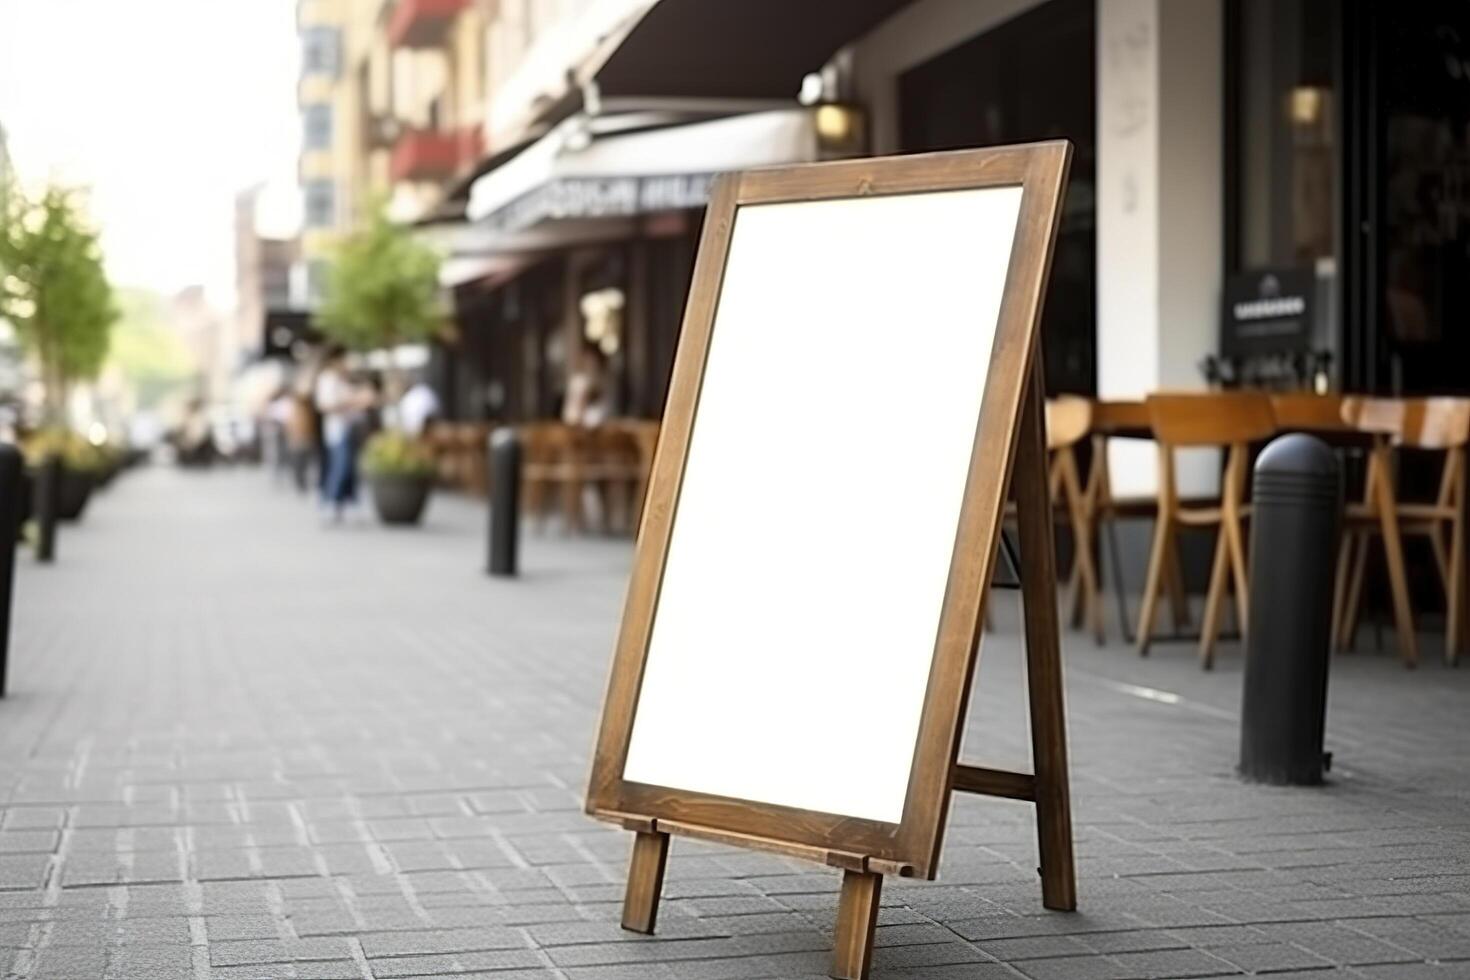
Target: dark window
[
  {"x": 320, "y": 203},
  {"x": 1031, "y": 78},
  {"x": 1286, "y": 156},
  {"x": 317, "y": 271},
  {"x": 316, "y": 122}
]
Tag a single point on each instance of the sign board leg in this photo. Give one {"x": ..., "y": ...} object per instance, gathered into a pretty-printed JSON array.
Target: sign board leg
[
  {"x": 645, "y": 881},
  {"x": 857, "y": 916},
  {"x": 1043, "y": 654}
]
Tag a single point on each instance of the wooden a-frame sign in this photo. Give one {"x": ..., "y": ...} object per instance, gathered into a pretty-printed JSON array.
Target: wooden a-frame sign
[{"x": 857, "y": 388}]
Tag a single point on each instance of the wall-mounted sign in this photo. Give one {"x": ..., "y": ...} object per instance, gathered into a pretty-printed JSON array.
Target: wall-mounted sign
[
  {"x": 1268, "y": 311},
  {"x": 601, "y": 197}
]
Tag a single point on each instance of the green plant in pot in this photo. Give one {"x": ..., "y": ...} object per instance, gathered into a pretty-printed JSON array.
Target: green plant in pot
[
  {"x": 400, "y": 470},
  {"x": 55, "y": 293},
  {"x": 81, "y": 467},
  {"x": 382, "y": 291}
]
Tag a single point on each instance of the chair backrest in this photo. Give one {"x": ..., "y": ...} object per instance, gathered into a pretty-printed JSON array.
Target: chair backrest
[
  {"x": 1436, "y": 423},
  {"x": 1068, "y": 420},
  {"x": 1219, "y": 418},
  {"x": 1308, "y": 412},
  {"x": 1381, "y": 416}
]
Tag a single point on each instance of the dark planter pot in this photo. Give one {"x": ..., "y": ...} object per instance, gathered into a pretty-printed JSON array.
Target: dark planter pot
[
  {"x": 400, "y": 499},
  {"x": 76, "y": 490},
  {"x": 27, "y": 494}
]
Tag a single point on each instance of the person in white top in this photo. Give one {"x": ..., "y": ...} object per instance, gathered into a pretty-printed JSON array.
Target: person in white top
[
  {"x": 417, "y": 407},
  {"x": 338, "y": 401}
]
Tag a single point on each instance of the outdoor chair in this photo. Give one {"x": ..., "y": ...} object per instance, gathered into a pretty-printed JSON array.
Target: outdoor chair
[
  {"x": 1123, "y": 419},
  {"x": 1429, "y": 425},
  {"x": 1226, "y": 420},
  {"x": 551, "y": 467},
  {"x": 1068, "y": 423}
]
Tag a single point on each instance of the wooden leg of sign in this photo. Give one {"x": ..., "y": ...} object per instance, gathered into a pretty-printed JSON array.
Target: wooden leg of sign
[
  {"x": 645, "y": 882},
  {"x": 857, "y": 915},
  {"x": 1044, "y": 657}
]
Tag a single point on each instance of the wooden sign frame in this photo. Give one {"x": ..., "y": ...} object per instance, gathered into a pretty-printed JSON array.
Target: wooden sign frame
[{"x": 1009, "y": 438}]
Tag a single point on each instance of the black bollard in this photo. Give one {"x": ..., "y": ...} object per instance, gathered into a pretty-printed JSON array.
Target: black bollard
[
  {"x": 505, "y": 501},
  {"x": 12, "y": 487},
  {"x": 46, "y": 503},
  {"x": 1295, "y": 522}
]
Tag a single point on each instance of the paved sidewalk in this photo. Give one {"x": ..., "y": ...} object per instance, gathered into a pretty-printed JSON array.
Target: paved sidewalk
[{"x": 243, "y": 745}]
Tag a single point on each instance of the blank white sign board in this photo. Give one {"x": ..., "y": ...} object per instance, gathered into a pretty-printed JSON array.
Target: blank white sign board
[{"x": 817, "y": 516}]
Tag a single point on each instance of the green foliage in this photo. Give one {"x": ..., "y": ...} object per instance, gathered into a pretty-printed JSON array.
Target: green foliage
[
  {"x": 54, "y": 290},
  {"x": 146, "y": 351},
  {"x": 77, "y": 454},
  {"x": 395, "y": 454},
  {"x": 382, "y": 289}
]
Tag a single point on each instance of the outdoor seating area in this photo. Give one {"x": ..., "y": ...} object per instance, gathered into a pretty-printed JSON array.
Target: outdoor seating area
[
  {"x": 592, "y": 478},
  {"x": 1403, "y": 462}
]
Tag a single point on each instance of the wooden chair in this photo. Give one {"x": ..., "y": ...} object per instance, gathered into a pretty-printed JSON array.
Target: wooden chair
[
  {"x": 1068, "y": 422},
  {"x": 1438, "y": 425},
  {"x": 642, "y": 434},
  {"x": 1124, "y": 419},
  {"x": 611, "y": 465},
  {"x": 552, "y": 468},
  {"x": 1231, "y": 421}
]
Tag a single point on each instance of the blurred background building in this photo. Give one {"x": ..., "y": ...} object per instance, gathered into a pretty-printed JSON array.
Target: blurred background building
[{"x": 563, "y": 149}]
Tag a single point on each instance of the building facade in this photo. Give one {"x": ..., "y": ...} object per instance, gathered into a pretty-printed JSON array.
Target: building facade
[
  {"x": 391, "y": 98},
  {"x": 265, "y": 275},
  {"x": 1269, "y": 150}
]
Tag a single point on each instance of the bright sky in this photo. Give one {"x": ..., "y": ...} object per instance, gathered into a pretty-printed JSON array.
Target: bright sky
[{"x": 166, "y": 109}]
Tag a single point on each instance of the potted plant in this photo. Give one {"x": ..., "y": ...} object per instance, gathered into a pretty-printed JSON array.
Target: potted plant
[
  {"x": 400, "y": 471},
  {"x": 382, "y": 291},
  {"x": 81, "y": 467},
  {"x": 55, "y": 293}
]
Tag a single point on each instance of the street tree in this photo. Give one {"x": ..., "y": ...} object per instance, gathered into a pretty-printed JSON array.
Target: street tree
[
  {"x": 382, "y": 291},
  {"x": 54, "y": 291}
]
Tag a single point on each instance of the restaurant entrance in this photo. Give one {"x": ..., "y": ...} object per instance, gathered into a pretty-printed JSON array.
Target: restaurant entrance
[
  {"x": 1030, "y": 78},
  {"x": 1409, "y": 72},
  {"x": 1348, "y": 158}
]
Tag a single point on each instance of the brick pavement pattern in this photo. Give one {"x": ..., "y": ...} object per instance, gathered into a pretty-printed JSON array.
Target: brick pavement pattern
[{"x": 242, "y": 745}]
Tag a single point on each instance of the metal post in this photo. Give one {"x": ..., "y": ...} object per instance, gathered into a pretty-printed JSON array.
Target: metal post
[
  {"x": 1295, "y": 522},
  {"x": 505, "y": 501},
  {"x": 45, "y": 505},
  {"x": 11, "y": 488}
]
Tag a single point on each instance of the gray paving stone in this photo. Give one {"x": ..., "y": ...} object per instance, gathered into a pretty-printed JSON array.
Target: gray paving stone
[{"x": 265, "y": 749}]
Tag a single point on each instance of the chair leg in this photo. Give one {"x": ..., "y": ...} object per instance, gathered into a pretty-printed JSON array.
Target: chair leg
[
  {"x": 1339, "y": 588},
  {"x": 1115, "y": 573},
  {"x": 1398, "y": 579},
  {"x": 1236, "y": 539},
  {"x": 1214, "y": 600},
  {"x": 1085, "y": 570},
  {"x": 1441, "y": 557},
  {"x": 1178, "y": 595},
  {"x": 1454, "y": 634},
  {"x": 1353, "y": 607},
  {"x": 1455, "y": 601},
  {"x": 1153, "y": 584}
]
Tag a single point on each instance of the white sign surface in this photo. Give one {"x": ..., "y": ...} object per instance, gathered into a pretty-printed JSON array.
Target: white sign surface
[{"x": 811, "y": 545}]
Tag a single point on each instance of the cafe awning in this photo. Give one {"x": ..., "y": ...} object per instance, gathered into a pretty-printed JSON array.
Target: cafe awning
[
  {"x": 756, "y": 49},
  {"x": 573, "y": 176}
]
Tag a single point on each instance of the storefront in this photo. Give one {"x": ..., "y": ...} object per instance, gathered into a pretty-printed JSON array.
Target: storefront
[
  {"x": 583, "y": 245},
  {"x": 1222, "y": 146}
]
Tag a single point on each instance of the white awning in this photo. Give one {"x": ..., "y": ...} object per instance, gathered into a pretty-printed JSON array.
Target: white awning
[{"x": 576, "y": 173}]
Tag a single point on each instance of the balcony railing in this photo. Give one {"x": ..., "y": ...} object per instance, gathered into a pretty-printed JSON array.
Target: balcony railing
[
  {"x": 422, "y": 23},
  {"x": 433, "y": 154}
]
